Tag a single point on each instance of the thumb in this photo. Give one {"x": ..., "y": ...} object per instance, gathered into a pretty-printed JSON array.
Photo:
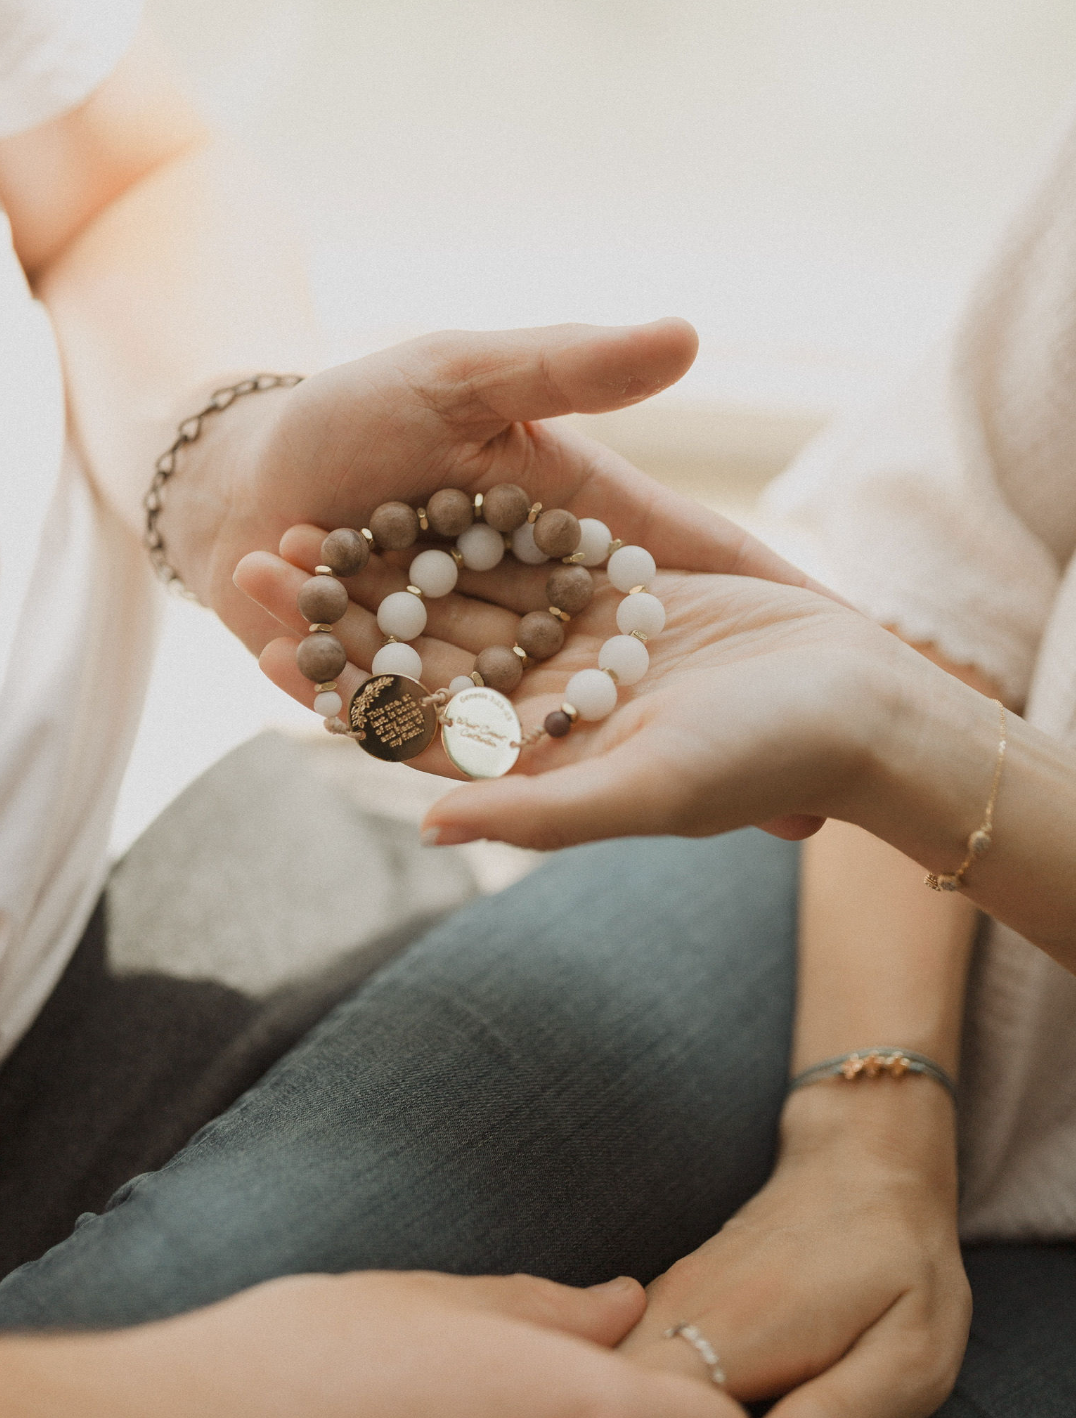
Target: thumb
[
  {"x": 480, "y": 382},
  {"x": 604, "y": 1314},
  {"x": 596, "y": 798}
]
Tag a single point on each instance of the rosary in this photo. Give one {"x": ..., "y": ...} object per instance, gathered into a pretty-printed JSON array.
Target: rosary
[{"x": 392, "y": 715}]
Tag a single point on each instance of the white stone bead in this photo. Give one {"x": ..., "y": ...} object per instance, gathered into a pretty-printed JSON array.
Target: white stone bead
[
  {"x": 433, "y": 572},
  {"x": 592, "y": 692},
  {"x": 461, "y": 682},
  {"x": 642, "y": 612},
  {"x": 631, "y": 566},
  {"x": 524, "y": 547},
  {"x": 398, "y": 659},
  {"x": 327, "y": 703},
  {"x": 401, "y": 614},
  {"x": 481, "y": 547},
  {"x": 626, "y": 656},
  {"x": 594, "y": 541}
]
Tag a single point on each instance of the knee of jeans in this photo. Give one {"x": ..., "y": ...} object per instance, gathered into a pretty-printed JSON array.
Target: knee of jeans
[{"x": 118, "y": 1197}]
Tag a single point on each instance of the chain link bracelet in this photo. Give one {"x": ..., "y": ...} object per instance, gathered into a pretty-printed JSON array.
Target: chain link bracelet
[{"x": 188, "y": 432}]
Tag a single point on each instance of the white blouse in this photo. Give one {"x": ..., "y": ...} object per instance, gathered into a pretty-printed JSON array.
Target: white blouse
[
  {"x": 951, "y": 515},
  {"x": 76, "y": 601}
]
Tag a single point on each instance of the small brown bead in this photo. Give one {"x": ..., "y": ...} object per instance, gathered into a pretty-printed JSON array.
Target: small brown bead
[
  {"x": 322, "y": 599},
  {"x": 346, "y": 551},
  {"x": 505, "y": 507},
  {"x": 500, "y": 668},
  {"x": 394, "y": 525},
  {"x": 320, "y": 657},
  {"x": 570, "y": 588},
  {"x": 557, "y": 724},
  {"x": 540, "y": 634},
  {"x": 449, "y": 512},
  {"x": 557, "y": 532}
]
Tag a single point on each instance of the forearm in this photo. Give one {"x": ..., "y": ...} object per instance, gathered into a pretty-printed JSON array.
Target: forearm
[
  {"x": 925, "y": 789},
  {"x": 187, "y": 280}
]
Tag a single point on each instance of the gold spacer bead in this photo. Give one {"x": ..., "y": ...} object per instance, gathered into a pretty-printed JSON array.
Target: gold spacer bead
[
  {"x": 391, "y": 640},
  {"x": 896, "y": 1066},
  {"x": 456, "y": 555},
  {"x": 478, "y": 501},
  {"x": 635, "y": 590},
  {"x": 575, "y": 558},
  {"x": 415, "y": 591},
  {"x": 318, "y": 626},
  {"x": 478, "y": 679},
  {"x": 614, "y": 546},
  {"x": 611, "y": 673},
  {"x": 423, "y": 520},
  {"x": 519, "y": 650},
  {"x": 506, "y": 537},
  {"x": 571, "y": 711},
  {"x": 324, "y": 571},
  {"x": 638, "y": 635},
  {"x": 852, "y": 1068},
  {"x": 561, "y": 615},
  {"x": 368, "y": 535},
  {"x": 326, "y": 688},
  {"x": 532, "y": 515}
]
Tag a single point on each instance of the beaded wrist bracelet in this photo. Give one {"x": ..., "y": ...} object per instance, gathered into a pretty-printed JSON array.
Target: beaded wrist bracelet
[
  {"x": 393, "y": 715},
  {"x": 883, "y": 1061}
]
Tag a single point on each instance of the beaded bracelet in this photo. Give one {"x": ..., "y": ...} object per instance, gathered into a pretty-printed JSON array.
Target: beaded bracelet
[
  {"x": 883, "y": 1061},
  {"x": 392, "y": 715}
]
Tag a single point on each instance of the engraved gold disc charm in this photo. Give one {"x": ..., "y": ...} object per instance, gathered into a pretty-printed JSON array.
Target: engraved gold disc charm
[
  {"x": 481, "y": 732},
  {"x": 389, "y": 719}
]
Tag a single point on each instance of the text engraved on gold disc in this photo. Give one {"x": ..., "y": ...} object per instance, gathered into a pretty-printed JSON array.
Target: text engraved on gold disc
[
  {"x": 390, "y": 720},
  {"x": 481, "y": 732}
]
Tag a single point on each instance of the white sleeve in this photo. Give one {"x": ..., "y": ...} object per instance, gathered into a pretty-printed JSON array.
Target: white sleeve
[
  {"x": 950, "y": 513},
  {"x": 54, "y": 53}
]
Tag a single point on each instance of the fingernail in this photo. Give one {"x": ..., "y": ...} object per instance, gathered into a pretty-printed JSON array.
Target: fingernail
[
  {"x": 621, "y": 1283},
  {"x": 444, "y": 836}
]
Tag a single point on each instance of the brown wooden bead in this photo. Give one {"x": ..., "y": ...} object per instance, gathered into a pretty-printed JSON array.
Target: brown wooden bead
[
  {"x": 394, "y": 525},
  {"x": 505, "y": 507},
  {"x": 500, "y": 668},
  {"x": 570, "y": 588},
  {"x": 449, "y": 512},
  {"x": 322, "y": 599},
  {"x": 540, "y": 634},
  {"x": 557, "y": 724},
  {"x": 346, "y": 551},
  {"x": 320, "y": 657},
  {"x": 557, "y": 532}
]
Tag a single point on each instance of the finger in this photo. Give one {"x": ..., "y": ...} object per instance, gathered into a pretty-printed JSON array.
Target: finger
[
  {"x": 601, "y": 1313},
  {"x": 599, "y": 797},
  {"x": 892, "y": 1371},
  {"x": 481, "y": 382},
  {"x": 463, "y": 620}
]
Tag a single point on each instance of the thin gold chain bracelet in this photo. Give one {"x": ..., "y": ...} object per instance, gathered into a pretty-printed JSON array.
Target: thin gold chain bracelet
[{"x": 981, "y": 840}]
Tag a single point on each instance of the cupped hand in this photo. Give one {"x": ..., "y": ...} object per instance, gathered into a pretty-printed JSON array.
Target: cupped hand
[
  {"x": 386, "y": 1345},
  {"x": 449, "y": 410},
  {"x": 840, "y": 1285}
]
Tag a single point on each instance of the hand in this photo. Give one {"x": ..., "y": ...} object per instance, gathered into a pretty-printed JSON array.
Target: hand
[
  {"x": 840, "y": 1284},
  {"x": 402, "y": 1345},
  {"x": 444, "y": 411}
]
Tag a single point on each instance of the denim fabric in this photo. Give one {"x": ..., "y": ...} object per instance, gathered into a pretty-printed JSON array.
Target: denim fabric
[{"x": 580, "y": 1077}]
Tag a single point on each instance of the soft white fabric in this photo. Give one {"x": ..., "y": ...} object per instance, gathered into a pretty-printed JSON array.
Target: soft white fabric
[
  {"x": 76, "y": 601},
  {"x": 951, "y": 515},
  {"x": 54, "y": 53}
]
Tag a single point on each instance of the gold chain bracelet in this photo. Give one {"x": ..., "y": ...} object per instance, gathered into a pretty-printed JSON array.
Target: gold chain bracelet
[{"x": 982, "y": 838}]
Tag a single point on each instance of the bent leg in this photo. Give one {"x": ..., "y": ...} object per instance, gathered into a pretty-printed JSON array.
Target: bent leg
[{"x": 579, "y": 1077}]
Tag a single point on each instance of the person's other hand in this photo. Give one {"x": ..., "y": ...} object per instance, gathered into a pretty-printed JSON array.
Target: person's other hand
[
  {"x": 383, "y": 1345},
  {"x": 841, "y": 1284},
  {"x": 449, "y": 410}
]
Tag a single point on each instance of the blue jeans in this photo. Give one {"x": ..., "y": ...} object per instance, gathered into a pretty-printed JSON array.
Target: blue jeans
[{"x": 580, "y": 1077}]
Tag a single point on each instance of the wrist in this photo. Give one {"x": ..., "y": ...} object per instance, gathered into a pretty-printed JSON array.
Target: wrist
[{"x": 902, "y": 1128}]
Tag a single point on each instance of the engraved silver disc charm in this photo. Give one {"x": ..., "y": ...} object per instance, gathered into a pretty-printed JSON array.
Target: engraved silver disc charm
[
  {"x": 389, "y": 719},
  {"x": 481, "y": 732}
]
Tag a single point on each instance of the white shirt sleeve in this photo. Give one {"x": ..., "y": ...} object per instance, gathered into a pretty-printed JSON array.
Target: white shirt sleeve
[
  {"x": 950, "y": 513},
  {"x": 54, "y": 53}
]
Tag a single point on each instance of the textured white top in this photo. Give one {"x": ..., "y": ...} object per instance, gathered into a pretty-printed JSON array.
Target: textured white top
[
  {"x": 76, "y": 603},
  {"x": 951, "y": 515}
]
